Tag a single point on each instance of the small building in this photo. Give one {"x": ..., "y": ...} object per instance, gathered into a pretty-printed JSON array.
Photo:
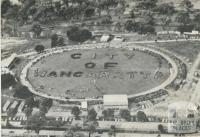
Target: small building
[
  {"x": 21, "y": 106},
  {"x": 115, "y": 101},
  {"x": 8, "y": 62},
  {"x": 5, "y": 107},
  {"x": 84, "y": 105},
  {"x": 14, "y": 105}
]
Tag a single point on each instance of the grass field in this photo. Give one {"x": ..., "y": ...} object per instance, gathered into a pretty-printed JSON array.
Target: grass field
[{"x": 132, "y": 72}]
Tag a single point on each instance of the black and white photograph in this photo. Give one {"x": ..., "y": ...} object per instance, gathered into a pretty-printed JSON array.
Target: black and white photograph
[{"x": 100, "y": 68}]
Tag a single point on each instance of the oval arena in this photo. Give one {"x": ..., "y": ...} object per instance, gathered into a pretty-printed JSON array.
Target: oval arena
[{"x": 85, "y": 72}]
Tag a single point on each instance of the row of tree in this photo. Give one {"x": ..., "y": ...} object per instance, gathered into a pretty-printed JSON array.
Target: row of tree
[{"x": 108, "y": 114}]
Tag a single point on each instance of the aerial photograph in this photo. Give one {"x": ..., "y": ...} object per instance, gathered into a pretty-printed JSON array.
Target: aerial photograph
[{"x": 100, "y": 68}]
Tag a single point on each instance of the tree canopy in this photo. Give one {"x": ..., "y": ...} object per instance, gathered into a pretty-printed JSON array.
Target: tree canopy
[
  {"x": 92, "y": 114},
  {"x": 146, "y": 4},
  {"x": 78, "y": 35},
  {"x": 7, "y": 80},
  {"x": 124, "y": 113},
  {"x": 35, "y": 122},
  {"x": 166, "y": 8},
  {"x": 108, "y": 114},
  {"x": 186, "y": 5},
  {"x": 21, "y": 91},
  {"x": 76, "y": 112},
  {"x": 39, "y": 48},
  {"x": 141, "y": 116}
]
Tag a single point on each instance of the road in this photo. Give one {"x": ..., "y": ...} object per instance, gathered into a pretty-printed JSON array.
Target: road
[
  {"x": 196, "y": 94},
  {"x": 23, "y": 132}
]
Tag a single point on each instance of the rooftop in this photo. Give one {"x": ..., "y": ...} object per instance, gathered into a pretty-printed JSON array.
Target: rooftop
[{"x": 120, "y": 99}]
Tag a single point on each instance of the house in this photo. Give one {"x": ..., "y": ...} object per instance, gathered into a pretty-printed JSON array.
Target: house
[{"x": 115, "y": 101}]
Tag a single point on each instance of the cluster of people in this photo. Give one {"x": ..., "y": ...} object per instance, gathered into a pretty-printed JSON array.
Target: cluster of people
[{"x": 182, "y": 72}]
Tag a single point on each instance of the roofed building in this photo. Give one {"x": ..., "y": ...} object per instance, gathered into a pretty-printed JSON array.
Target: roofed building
[
  {"x": 8, "y": 62},
  {"x": 115, "y": 101}
]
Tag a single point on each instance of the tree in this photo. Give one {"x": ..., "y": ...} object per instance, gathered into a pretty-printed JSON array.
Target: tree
[
  {"x": 69, "y": 133},
  {"x": 89, "y": 12},
  {"x": 57, "y": 6},
  {"x": 166, "y": 9},
  {"x": 161, "y": 128},
  {"x": 118, "y": 26},
  {"x": 108, "y": 114},
  {"x": 47, "y": 102},
  {"x": 165, "y": 22},
  {"x": 186, "y": 5},
  {"x": 131, "y": 26},
  {"x": 125, "y": 114},
  {"x": 67, "y": 13},
  {"x": 76, "y": 112},
  {"x": 196, "y": 21},
  {"x": 106, "y": 4},
  {"x": 106, "y": 20},
  {"x": 32, "y": 11},
  {"x": 43, "y": 109},
  {"x": 146, "y": 4},
  {"x": 78, "y": 35},
  {"x": 30, "y": 102},
  {"x": 39, "y": 48},
  {"x": 7, "y": 80},
  {"x": 35, "y": 122},
  {"x": 66, "y": 2},
  {"x": 128, "y": 25},
  {"x": 182, "y": 29},
  {"x": 190, "y": 116},
  {"x": 147, "y": 18},
  {"x": 132, "y": 14},
  {"x": 28, "y": 111},
  {"x": 12, "y": 12},
  {"x": 5, "y": 5},
  {"x": 91, "y": 129},
  {"x": 141, "y": 116},
  {"x": 54, "y": 40},
  {"x": 36, "y": 28},
  {"x": 146, "y": 29},
  {"x": 183, "y": 18},
  {"x": 92, "y": 114},
  {"x": 21, "y": 91},
  {"x": 61, "y": 42},
  {"x": 112, "y": 131}
]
